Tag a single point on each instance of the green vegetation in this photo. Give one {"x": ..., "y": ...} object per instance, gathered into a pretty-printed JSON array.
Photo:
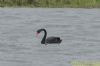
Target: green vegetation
[{"x": 50, "y": 3}]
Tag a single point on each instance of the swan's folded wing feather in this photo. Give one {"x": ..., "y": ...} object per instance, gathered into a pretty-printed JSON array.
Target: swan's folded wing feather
[{"x": 52, "y": 40}]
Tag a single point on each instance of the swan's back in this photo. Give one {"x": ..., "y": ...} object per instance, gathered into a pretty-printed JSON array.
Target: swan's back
[{"x": 53, "y": 40}]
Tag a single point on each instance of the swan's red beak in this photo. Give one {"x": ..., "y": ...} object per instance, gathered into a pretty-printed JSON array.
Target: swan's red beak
[{"x": 37, "y": 34}]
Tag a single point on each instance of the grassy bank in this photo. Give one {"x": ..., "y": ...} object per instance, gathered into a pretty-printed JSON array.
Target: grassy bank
[{"x": 50, "y": 3}]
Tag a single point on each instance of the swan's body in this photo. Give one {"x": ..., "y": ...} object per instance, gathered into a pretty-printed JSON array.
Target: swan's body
[{"x": 49, "y": 40}]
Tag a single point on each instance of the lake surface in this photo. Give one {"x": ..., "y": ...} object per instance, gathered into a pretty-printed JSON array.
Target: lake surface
[{"x": 78, "y": 28}]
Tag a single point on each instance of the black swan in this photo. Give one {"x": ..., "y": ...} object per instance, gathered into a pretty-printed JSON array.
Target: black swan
[{"x": 49, "y": 40}]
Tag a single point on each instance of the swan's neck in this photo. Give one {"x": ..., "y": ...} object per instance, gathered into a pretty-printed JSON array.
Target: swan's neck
[{"x": 44, "y": 38}]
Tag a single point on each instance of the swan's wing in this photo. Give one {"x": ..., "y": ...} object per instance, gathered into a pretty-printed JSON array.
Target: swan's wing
[{"x": 52, "y": 40}]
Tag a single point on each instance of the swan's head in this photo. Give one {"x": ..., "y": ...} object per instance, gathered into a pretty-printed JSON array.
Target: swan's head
[{"x": 39, "y": 30}]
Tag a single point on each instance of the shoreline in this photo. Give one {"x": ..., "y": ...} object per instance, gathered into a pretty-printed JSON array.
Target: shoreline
[{"x": 51, "y": 3}]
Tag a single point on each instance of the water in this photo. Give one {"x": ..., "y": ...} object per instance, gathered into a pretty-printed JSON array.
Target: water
[{"x": 78, "y": 28}]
